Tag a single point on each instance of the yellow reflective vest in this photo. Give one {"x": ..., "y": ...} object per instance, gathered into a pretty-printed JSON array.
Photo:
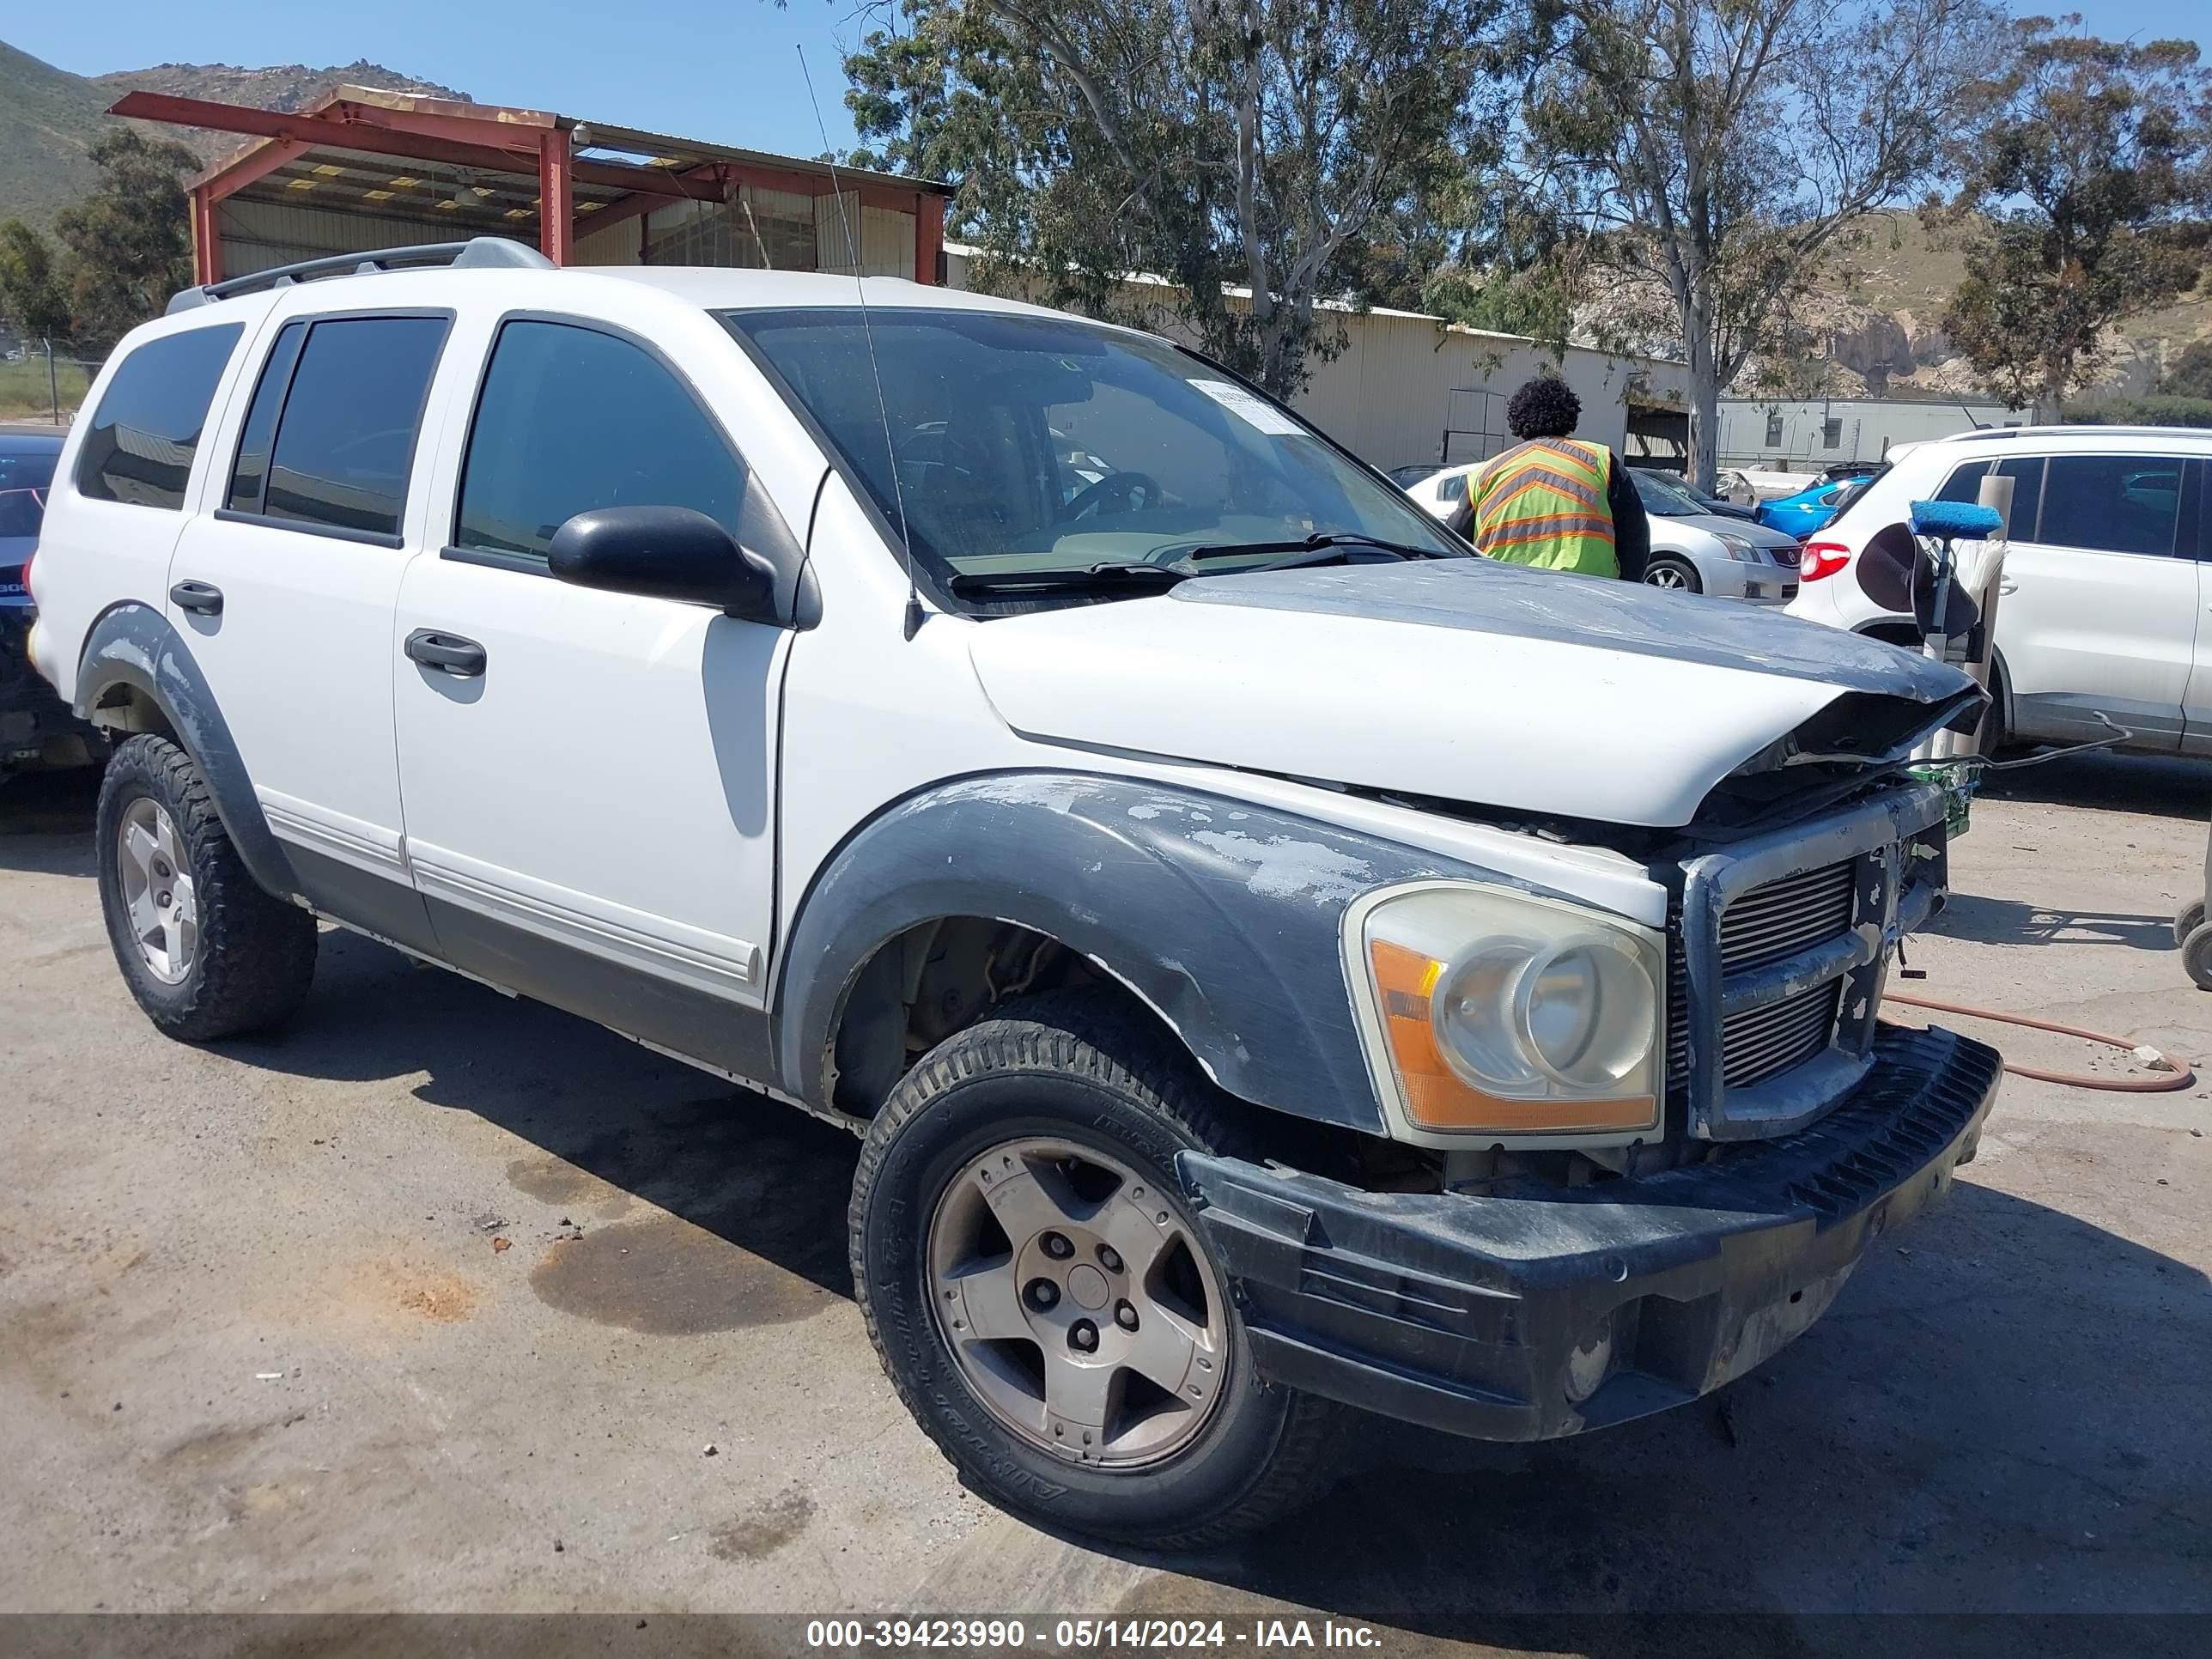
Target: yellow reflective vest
[{"x": 1543, "y": 502}]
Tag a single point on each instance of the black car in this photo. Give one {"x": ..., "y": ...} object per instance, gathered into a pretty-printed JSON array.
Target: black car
[{"x": 36, "y": 726}]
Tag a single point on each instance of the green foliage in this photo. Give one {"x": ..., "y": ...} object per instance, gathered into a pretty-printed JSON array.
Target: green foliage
[
  {"x": 33, "y": 299},
  {"x": 2090, "y": 163},
  {"x": 2143, "y": 411},
  {"x": 130, "y": 241},
  {"x": 2191, "y": 374},
  {"x": 1289, "y": 149}
]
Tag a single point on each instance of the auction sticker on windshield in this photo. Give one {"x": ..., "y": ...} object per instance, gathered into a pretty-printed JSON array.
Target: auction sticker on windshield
[{"x": 1253, "y": 409}]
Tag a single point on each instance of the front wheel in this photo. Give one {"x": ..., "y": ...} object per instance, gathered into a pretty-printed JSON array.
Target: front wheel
[
  {"x": 1677, "y": 575},
  {"x": 1041, "y": 1296}
]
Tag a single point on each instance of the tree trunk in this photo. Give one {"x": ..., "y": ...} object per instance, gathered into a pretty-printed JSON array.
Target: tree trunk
[{"x": 1704, "y": 463}]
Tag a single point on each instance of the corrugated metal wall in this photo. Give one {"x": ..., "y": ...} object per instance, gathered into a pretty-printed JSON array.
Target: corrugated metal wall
[
  {"x": 259, "y": 234},
  {"x": 1408, "y": 389},
  {"x": 886, "y": 237}
]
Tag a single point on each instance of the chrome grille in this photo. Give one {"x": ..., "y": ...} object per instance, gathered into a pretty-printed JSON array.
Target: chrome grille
[
  {"x": 1782, "y": 947},
  {"x": 1767, "y": 1041},
  {"x": 1774, "y": 923}
]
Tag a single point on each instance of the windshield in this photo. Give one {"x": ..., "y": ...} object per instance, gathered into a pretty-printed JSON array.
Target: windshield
[
  {"x": 1664, "y": 497},
  {"x": 1038, "y": 444}
]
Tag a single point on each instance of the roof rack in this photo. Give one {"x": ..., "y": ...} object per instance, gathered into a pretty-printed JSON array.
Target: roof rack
[
  {"x": 2068, "y": 429},
  {"x": 477, "y": 250}
]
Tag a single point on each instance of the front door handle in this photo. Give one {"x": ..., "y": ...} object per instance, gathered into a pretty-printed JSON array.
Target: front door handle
[
  {"x": 2008, "y": 585},
  {"x": 205, "y": 598},
  {"x": 463, "y": 659}
]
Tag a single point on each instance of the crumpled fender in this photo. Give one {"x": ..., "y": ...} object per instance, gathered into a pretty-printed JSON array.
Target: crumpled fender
[
  {"x": 1224, "y": 916},
  {"x": 133, "y": 644}
]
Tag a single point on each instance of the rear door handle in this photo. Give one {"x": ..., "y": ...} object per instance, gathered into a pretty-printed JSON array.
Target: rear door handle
[
  {"x": 2008, "y": 585},
  {"x": 204, "y": 598},
  {"x": 462, "y": 658}
]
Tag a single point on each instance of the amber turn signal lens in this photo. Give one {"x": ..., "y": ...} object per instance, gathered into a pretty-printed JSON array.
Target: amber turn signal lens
[{"x": 1437, "y": 1098}]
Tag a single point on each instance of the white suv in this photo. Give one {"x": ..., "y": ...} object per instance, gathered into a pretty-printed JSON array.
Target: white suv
[
  {"x": 2103, "y": 586},
  {"x": 1271, "y": 956}
]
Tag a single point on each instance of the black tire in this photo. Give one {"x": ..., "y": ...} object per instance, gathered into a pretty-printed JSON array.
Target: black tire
[
  {"x": 256, "y": 953},
  {"x": 1990, "y": 737},
  {"x": 2188, "y": 922},
  {"x": 1074, "y": 1068},
  {"x": 2197, "y": 955},
  {"x": 1691, "y": 582}
]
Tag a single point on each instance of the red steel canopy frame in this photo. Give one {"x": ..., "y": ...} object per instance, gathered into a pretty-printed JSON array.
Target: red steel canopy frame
[{"x": 500, "y": 140}]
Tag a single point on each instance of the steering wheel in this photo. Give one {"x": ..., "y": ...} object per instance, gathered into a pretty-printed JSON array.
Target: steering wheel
[{"x": 1121, "y": 485}]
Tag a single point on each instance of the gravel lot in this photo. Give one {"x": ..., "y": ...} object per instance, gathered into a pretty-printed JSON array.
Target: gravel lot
[{"x": 448, "y": 1302}]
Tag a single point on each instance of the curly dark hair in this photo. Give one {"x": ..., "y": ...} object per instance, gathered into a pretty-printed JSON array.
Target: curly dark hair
[{"x": 1545, "y": 407}]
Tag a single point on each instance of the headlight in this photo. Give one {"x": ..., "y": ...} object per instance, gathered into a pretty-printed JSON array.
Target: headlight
[
  {"x": 1496, "y": 1015},
  {"x": 1738, "y": 548}
]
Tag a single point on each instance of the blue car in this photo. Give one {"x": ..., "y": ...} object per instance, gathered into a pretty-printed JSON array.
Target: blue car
[{"x": 1808, "y": 510}]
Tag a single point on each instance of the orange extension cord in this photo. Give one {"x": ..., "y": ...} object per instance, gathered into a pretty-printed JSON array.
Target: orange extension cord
[{"x": 2155, "y": 1083}]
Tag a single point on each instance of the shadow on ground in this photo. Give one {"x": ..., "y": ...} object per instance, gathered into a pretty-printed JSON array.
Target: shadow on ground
[
  {"x": 2159, "y": 785},
  {"x": 1995, "y": 1416},
  {"x": 2009, "y": 921},
  {"x": 2002, "y": 1413}
]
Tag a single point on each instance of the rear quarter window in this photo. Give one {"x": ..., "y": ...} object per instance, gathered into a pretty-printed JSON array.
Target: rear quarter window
[{"x": 139, "y": 444}]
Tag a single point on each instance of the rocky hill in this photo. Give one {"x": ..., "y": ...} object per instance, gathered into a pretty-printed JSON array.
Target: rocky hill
[{"x": 49, "y": 118}]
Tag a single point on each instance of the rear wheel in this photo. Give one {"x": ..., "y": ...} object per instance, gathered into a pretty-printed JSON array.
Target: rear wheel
[
  {"x": 1039, "y": 1293},
  {"x": 1678, "y": 575},
  {"x": 206, "y": 952}
]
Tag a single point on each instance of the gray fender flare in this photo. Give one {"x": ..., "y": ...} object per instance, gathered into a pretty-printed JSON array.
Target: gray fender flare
[
  {"x": 1224, "y": 916},
  {"x": 133, "y": 644}
]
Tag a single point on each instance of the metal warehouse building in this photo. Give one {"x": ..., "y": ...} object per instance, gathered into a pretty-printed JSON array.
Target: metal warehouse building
[{"x": 365, "y": 169}]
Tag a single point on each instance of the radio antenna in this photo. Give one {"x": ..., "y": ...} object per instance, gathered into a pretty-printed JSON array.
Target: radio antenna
[{"x": 914, "y": 611}]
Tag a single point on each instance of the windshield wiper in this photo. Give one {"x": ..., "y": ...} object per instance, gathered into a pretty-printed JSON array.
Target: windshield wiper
[
  {"x": 1319, "y": 541},
  {"x": 1096, "y": 577}
]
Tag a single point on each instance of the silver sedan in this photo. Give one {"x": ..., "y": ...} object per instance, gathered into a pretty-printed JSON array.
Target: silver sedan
[{"x": 1697, "y": 551}]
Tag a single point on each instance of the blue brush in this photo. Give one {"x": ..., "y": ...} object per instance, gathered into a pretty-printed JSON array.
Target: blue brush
[{"x": 1958, "y": 521}]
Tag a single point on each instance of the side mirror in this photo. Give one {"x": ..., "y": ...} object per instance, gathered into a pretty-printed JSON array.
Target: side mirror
[{"x": 663, "y": 553}]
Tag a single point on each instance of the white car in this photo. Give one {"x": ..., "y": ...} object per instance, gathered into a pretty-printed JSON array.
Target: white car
[
  {"x": 1270, "y": 957},
  {"x": 1693, "y": 549},
  {"x": 2103, "y": 596}
]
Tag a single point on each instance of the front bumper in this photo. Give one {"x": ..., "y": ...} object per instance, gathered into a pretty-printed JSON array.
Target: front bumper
[{"x": 1481, "y": 1316}]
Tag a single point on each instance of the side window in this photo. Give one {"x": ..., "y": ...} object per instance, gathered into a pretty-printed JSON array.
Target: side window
[
  {"x": 249, "y": 475},
  {"x": 1454, "y": 489},
  {"x": 139, "y": 446},
  {"x": 345, "y": 441},
  {"x": 570, "y": 419},
  {"x": 2112, "y": 503},
  {"x": 1965, "y": 484},
  {"x": 2025, "y": 472}
]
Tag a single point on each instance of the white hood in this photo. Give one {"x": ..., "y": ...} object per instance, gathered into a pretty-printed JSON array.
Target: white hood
[{"x": 1462, "y": 679}]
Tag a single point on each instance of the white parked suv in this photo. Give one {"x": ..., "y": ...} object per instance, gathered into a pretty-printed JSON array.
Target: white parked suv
[
  {"x": 1271, "y": 957},
  {"x": 2104, "y": 590}
]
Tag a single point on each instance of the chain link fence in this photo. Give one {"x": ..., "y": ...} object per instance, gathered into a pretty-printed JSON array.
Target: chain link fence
[{"x": 41, "y": 382}]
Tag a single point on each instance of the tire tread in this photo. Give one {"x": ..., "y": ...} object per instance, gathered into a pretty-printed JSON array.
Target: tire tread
[
  {"x": 256, "y": 954},
  {"x": 1080, "y": 1034}
]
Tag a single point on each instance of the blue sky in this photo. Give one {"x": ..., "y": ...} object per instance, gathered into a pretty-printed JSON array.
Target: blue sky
[{"x": 720, "y": 70}]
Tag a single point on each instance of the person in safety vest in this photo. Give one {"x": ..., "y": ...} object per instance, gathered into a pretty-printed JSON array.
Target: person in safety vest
[{"x": 1556, "y": 501}]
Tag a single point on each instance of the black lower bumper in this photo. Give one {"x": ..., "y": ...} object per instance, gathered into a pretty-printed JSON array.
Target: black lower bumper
[{"x": 1548, "y": 1310}]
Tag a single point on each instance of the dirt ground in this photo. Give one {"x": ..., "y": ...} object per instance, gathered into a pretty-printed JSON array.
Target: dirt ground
[{"x": 448, "y": 1302}]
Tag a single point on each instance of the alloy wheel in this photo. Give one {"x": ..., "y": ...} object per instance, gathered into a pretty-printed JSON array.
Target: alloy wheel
[
  {"x": 158, "y": 894},
  {"x": 1076, "y": 1300}
]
